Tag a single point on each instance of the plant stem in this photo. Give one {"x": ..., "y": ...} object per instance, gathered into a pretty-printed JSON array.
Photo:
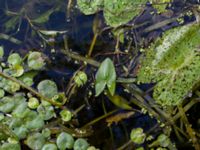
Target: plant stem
[
  {"x": 33, "y": 91},
  {"x": 189, "y": 129}
]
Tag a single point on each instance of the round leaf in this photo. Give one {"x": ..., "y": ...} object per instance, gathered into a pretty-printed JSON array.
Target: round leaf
[
  {"x": 49, "y": 147},
  {"x": 14, "y": 59},
  {"x": 81, "y": 144},
  {"x": 47, "y": 88},
  {"x": 65, "y": 140},
  {"x": 36, "y": 141},
  {"x": 35, "y": 60}
]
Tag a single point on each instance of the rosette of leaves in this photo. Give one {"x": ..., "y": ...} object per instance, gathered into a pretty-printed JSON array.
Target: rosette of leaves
[{"x": 173, "y": 63}]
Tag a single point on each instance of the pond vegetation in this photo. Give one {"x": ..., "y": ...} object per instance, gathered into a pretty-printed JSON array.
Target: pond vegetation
[{"x": 99, "y": 74}]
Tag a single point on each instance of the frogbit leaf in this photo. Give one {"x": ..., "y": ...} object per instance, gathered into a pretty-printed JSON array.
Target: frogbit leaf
[
  {"x": 106, "y": 75},
  {"x": 65, "y": 141},
  {"x": 36, "y": 141},
  {"x": 47, "y": 88},
  {"x": 35, "y": 60}
]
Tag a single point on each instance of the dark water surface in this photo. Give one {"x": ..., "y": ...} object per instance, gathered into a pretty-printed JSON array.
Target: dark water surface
[{"x": 20, "y": 21}]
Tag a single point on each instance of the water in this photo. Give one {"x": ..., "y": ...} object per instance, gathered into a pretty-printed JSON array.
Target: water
[{"x": 20, "y": 23}]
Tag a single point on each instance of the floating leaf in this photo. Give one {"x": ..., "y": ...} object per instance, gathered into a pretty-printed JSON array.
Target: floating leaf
[
  {"x": 49, "y": 147},
  {"x": 89, "y": 7},
  {"x": 17, "y": 71},
  {"x": 118, "y": 12},
  {"x": 106, "y": 75},
  {"x": 47, "y": 88},
  {"x": 7, "y": 104},
  {"x": 21, "y": 132},
  {"x": 46, "y": 133},
  {"x": 66, "y": 115},
  {"x": 10, "y": 146},
  {"x": 35, "y": 123},
  {"x": 160, "y": 5},
  {"x": 14, "y": 59},
  {"x": 27, "y": 77},
  {"x": 36, "y": 141},
  {"x": 65, "y": 141},
  {"x": 2, "y": 93},
  {"x": 137, "y": 135},
  {"x": 173, "y": 62},
  {"x": 20, "y": 109},
  {"x": 46, "y": 112},
  {"x": 9, "y": 86},
  {"x": 81, "y": 144},
  {"x": 33, "y": 103},
  {"x": 35, "y": 60}
]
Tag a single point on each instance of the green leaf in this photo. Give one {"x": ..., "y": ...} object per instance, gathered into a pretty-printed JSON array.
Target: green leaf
[
  {"x": 1, "y": 51},
  {"x": 36, "y": 141},
  {"x": 137, "y": 136},
  {"x": 66, "y": 115},
  {"x": 7, "y": 104},
  {"x": 27, "y": 77},
  {"x": 89, "y": 7},
  {"x": 160, "y": 5},
  {"x": 119, "y": 101},
  {"x": 33, "y": 103},
  {"x": 14, "y": 59},
  {"x": 21, "y": 132},
  {"x": 19, "y": 110},
  {"x": 35, "y": 123},
  {"x": 17, "y": 71},
  {"x": 46, "y": 112},
  {"x": 99, "y": 87},
  {"x": 65, "y": 141},
  {"x": 10, "y": 146},
  {"x": 35, "y": 60},
  {"x": 46, "y": 133},
  {"x": 48, "y": 88},
  {"x": 105, "y": 75},
  {"x": 81, "y": 144},
  {"x": 49, "y": 147},
  {"x": 172, "y": 62},
  {"x": 118, "y": 12}
]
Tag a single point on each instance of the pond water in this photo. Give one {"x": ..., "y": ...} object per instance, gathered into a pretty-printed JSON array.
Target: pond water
[{"x": 21, "y": 23}]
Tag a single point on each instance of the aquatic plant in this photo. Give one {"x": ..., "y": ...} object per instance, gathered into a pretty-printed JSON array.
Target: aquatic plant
[
  {"x": 172, "y": 62},
  {"x": 117, "y": 12},
  {"x": 24, "y": 113}
]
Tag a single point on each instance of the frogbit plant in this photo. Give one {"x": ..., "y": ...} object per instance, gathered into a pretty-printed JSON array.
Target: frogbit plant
[{"x": 24, "y": 115}]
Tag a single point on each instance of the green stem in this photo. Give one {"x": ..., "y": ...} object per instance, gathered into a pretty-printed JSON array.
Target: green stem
[{"x": 23, "y": 85}]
